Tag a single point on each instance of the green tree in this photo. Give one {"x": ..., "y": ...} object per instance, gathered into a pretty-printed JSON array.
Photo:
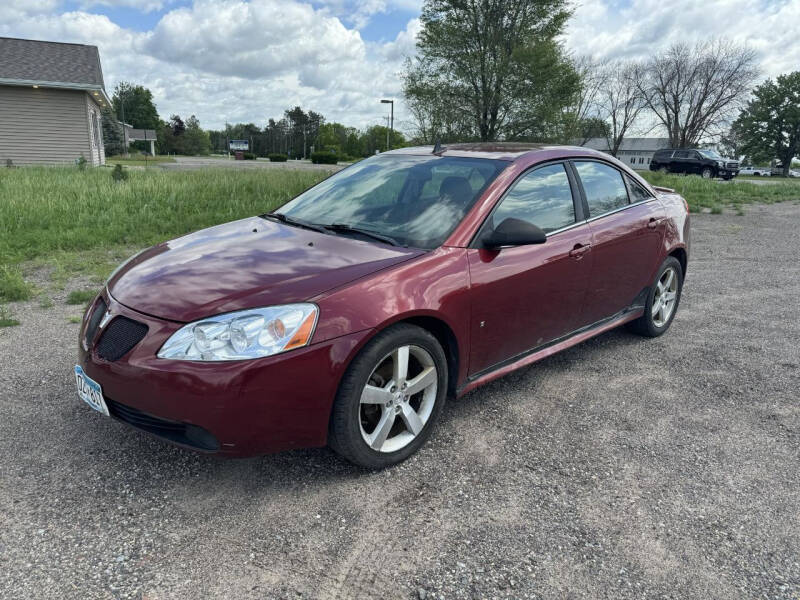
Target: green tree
[
  {"x": 133, "y": 104},
  {"x": 195, "y": 140},
  {"x": 491, "y": 69},
  {"x": 113, "y": 134},
  {"x": 374, "y": 138},
  {"x": 769, "y": 127}
]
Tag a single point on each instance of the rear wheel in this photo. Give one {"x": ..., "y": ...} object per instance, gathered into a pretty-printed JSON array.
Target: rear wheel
[
  {"x": 662, "y": 301},
  {"x": 664, "y": 170},
  {"x": 390, "y": 397}
]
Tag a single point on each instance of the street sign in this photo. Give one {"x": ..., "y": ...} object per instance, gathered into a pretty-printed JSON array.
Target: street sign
[{"x": 240, "y": 145}]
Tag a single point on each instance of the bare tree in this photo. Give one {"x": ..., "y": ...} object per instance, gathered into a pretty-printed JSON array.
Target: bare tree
[
  {"x": 586, "y": 110},
  {"x": 695, "y": 90},
  {"x": 620, "y": 100}
]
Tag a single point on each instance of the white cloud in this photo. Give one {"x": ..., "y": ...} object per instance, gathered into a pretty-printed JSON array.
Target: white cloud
[{"x": 639, "y": 28}]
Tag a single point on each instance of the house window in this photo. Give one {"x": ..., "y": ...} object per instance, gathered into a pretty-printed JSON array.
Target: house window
[{"x": 633, "y": 160}]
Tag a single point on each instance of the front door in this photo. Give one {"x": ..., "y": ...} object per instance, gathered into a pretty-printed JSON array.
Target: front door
[
  {"x": 627, "y": 226},
  {"x": 526, "y": 296}
]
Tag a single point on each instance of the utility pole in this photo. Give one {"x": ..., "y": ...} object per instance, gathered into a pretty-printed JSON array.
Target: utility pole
[{"x": 391, "y": 122}]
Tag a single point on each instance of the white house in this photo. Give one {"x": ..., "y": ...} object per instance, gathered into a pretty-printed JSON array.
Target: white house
[{"x": 636, "y": 152}]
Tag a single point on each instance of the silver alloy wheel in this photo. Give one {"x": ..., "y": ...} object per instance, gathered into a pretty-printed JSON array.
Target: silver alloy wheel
[
  {"x": 665, "y": 297},
  {"x": 403, "y": 384},
  {"x": 707, "y": 173}
]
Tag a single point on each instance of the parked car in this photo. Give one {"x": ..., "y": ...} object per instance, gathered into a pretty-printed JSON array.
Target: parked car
[
  {"x": 349, "y": 314},
  {"x": 706, "y": 163},
  {"x": 756, "y": 171}
]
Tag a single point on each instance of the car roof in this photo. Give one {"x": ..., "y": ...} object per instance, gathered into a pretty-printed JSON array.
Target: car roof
[{"x": 509, "y": 151}]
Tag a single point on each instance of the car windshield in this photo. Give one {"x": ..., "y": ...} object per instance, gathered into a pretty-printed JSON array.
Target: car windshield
[
  {"x": 414, "y": 200},
  {"x": 713, "y": 154}
]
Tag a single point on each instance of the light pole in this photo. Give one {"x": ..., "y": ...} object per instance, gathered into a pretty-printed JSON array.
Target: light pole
[{"x": 391, "y": 122}]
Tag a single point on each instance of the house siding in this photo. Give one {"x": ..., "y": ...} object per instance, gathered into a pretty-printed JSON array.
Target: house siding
[
  {"x": 41, "y": 126},
  {"x": 95, "y": 120}
]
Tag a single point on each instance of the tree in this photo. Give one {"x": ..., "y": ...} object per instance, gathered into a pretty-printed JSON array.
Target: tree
[
  {"x": 770, "y": 124},
  {"x": 195, "y": 140},
  {"x": 620, "y": 100},
  {"x": 133, "y": 104},
  {"x": 694, "y": 91},
  {"x": 113, "y": 134},
  {"x": 490, "y": 69},
  {"x": 583, "y": 120},
  {"x": 374, "y": 138}
]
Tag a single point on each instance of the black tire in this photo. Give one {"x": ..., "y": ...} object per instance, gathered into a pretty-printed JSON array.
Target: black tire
[
  {"x": 344, "y": 434},
  {"x": 645, "y": 325},
  {"x": 663, "y": 170},
  {"x": 707, "y": 173}
]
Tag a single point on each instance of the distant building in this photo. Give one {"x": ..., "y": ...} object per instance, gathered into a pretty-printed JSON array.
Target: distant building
[
  {"x": 139, "y": 135},
  {"x": 635, "y": 152},
  {"x": 51, "y": 95}
]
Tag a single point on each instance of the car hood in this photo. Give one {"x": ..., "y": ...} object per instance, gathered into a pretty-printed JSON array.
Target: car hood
[{"x": 244, "y": 264}]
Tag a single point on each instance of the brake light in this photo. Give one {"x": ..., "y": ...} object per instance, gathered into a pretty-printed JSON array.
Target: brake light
[{"x": 685, "y": 204}]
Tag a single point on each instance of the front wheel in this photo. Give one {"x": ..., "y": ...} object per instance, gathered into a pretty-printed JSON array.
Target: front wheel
[
  {"x": 662, "y": 301},
  {"x": 707, "y": 173},
  {"x": 389, "y": 398}
]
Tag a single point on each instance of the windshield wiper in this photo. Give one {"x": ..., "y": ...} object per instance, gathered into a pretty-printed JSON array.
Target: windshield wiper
[
  {"x": 295, "y": 222},
  {"x": 344, "y": 227}
]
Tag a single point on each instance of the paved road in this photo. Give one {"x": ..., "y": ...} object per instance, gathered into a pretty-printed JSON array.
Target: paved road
[
  {"x": 622, "y": 468},
  {"x": 183, "y": 163}
]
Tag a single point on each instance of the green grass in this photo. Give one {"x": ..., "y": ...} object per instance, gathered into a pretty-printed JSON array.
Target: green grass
[
  {"x": 74, "y": 320},
  {"x": 12, "y": 285},
  {"x": 80, "y": 296},
  {"x": 714, "y": 195},
  {"x": 74, "y": 222},
  {"x": 138, "y": 160},
  {"x": 6, "y": 320}
]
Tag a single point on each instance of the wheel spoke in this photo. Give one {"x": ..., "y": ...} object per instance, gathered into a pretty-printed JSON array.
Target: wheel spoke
[
  {"x": 400, "y": 368},
  {"x": 375, "y": 395},
  {"x": 382, "y": 429},
  {"x": 668, "y": 282},
  {"x": 662, "y": 314},
  {"x": 411, "y": 419},
  {"x": 656, "y": 306},
  {"x": 425, "y": 379}
]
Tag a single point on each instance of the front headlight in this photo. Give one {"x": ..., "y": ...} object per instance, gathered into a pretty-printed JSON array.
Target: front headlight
[
  {"x": 244, "y": 334},
  {"x": 720, "y": 163}
]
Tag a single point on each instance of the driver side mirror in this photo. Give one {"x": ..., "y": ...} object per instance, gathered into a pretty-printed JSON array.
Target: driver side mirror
[{"x": 514, "y": 232}]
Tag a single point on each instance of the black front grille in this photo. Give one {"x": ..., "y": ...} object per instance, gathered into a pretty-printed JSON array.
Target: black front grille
[
  {"x": 119, "y": 337},
  {"x": 94, "y": 320},
  {"x": 175, "y": 431}
]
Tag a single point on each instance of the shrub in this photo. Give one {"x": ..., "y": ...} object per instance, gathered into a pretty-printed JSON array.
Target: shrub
[
  {"x": 249, "y": 156},
  {"x": 277, "y": 157},
  {"x": 12, "y": 286},
  {"x": 324, "y": 158},
  {"x": 81, "y": 162},
  {"x": 119, "y": 174}
]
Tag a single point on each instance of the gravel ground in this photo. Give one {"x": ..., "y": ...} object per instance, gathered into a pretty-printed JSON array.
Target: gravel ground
[{"x": 621, "y": 468}]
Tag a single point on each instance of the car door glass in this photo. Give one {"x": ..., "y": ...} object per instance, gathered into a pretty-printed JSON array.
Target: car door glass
[
  {"x": 542, "y": 197},
  {"x": 604, "y": 187},
  {"x": 638, "y": 193},
  {"x": 682, "y": 154}
]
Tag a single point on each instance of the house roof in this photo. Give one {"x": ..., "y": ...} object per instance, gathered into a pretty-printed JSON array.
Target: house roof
[
  {"x": 50, "y": 64},
  {"x": 630, "y": 144}
]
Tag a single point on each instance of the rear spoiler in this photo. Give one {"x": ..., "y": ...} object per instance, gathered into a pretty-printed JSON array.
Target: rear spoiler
[{"x": 665, "y": 190}]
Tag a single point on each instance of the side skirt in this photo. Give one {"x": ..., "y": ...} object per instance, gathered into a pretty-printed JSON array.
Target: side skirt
[{"x": 537, "y": 354}]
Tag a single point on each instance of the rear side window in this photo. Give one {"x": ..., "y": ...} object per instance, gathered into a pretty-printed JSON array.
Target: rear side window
[
  {"x": 542, "y": 197},
  {"x": 637, "y": 192},
  {"x": 604, "y": 187},
  {"x": 682, "y": 154}
]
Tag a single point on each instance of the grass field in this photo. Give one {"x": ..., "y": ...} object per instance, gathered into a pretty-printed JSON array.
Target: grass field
[
  {"x": 716, "y": 195},
  {"x": 138, "y": 160},
  {"x": 73, "y": 223}
]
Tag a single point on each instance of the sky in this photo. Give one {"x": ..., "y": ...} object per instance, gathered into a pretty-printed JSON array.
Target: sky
[{"x": 229, "y": 61}]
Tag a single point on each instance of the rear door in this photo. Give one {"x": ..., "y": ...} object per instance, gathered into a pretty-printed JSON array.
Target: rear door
[
  {"x": 680, "y": 162},
  {"x": 526, "y": 296},
  {"x": 627, "y": 225}
]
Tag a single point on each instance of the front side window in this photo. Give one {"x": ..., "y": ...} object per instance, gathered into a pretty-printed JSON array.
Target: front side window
[
  {"x": 604, "y": 187},
  {"x": 415, "y": 200},
  {"x": 542, "y": 197},
  {"x": 681, "y": 154}
]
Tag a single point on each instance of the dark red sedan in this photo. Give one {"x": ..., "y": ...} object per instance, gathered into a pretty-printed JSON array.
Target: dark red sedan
[{"x": 347, "y": 316}]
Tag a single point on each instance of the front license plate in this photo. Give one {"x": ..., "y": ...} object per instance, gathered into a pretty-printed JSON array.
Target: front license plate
[{"x": 90, "y": 391}]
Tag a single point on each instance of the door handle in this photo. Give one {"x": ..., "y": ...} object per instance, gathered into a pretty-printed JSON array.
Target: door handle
[
  {"x": 579, "y": 250},
  {"x": 653, "y": 223}
]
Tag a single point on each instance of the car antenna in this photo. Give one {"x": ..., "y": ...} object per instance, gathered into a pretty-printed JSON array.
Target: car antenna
[{"x": 437, "y": 148}]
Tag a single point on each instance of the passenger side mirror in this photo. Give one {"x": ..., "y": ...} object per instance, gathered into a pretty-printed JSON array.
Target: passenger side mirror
[{"x": 514, "y": 232}]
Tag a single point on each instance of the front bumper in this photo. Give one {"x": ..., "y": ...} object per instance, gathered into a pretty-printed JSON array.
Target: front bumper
[{"x": 236, "y": 408}]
